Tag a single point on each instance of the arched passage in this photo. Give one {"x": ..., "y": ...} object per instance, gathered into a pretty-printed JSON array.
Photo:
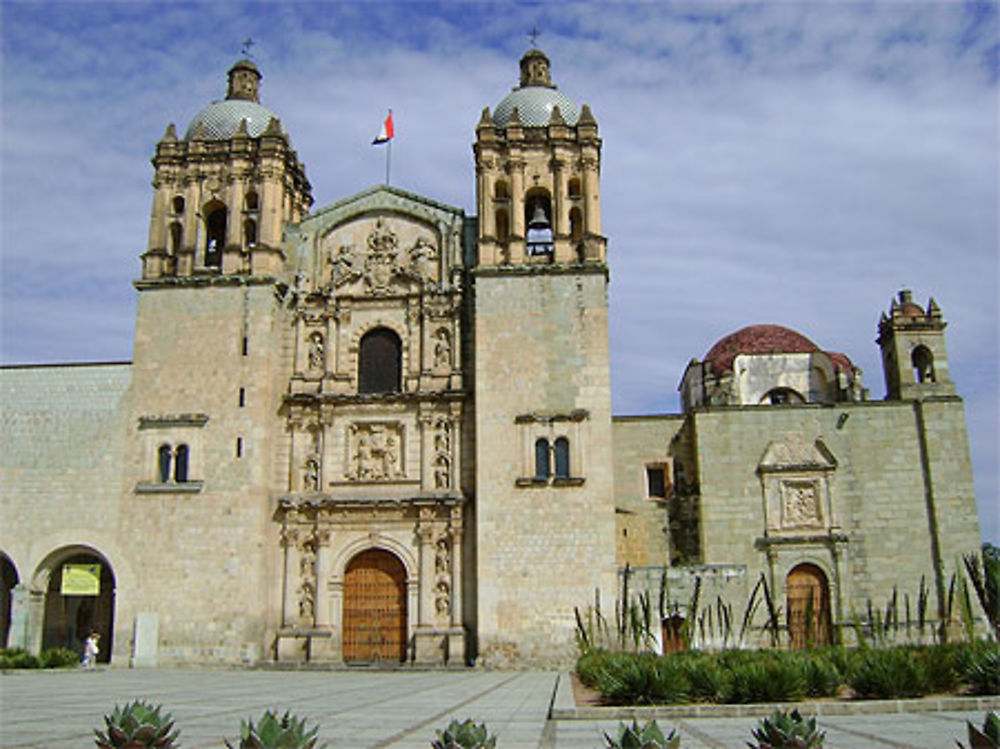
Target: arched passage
[
  {"x": 374, "y": 626},
  {"x": 8, "y": 579},
  {"x": 79, "y": 599},
  {"x": 807, "y": 594}
]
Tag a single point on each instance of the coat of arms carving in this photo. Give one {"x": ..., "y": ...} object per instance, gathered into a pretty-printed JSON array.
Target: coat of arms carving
[{"x": 382, "y": 263}]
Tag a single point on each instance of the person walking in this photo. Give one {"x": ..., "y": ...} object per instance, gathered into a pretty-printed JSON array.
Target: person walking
[{"x": 90, "y": 650}]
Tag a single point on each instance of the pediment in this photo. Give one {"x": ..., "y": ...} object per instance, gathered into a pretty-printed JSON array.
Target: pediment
[{"x": 794, "y": 453}]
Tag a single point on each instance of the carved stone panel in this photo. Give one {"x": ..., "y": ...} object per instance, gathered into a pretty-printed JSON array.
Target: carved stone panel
[
  {"x": 801, "y": 504},
  {"x": 375, "y": 452}
]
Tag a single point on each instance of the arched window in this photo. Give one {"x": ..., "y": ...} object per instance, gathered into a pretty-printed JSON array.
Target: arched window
[
  {"x": 576, "y": 224},
  {"x": 379, "y": 362},
  {"x": 503, "y": 225},
  {"x": 215, "y": 235},
  {"x": 781, "y": 397},
  {"x": 923, "y": 364},
  {"x": 176, "y": 235},
  {"x": 500, "y": 190},
  {"x": 181, "y": 464},
  {"x": 574, "y": 188},
  {"x": 164, "y": 454},
  {"x": 542, "y": 468},
  {"x": 561, "y": 452},
  {"x": 252, "y": 201},
  {"x": 249, "y": 233},
  {"x": 178, "y": 204}
]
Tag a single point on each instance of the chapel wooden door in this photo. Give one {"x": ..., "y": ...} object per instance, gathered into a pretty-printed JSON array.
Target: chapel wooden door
[
  {"x": 808, "y": 601},
  {"x": 374, "y": 627}
]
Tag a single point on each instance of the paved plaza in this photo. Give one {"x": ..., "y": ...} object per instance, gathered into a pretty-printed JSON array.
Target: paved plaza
[{"x": 397, "y": 710}]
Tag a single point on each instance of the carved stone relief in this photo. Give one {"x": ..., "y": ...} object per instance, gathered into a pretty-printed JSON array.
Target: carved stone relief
[
  {"x": 442, "y": 454},
  {"x": 382, "y": 262},
  {"x": 316, "y": 358},
  {"x": 800, "y": 504},
  {"x": 375, "y": 452},
  {"x": 307, "y": 577}
]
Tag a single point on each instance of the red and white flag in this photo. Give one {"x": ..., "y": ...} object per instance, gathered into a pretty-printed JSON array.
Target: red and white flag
[{"x": 387, "y": 131}]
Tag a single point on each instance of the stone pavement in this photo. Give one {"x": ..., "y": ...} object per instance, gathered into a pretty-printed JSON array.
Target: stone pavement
[{"x": 396, "y": 710}]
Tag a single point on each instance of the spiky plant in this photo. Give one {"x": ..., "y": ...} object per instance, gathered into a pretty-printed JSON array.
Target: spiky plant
[
  {"x": 783, "y": 730},
  {"x": 272, "y": 732},
  {"x": 988, "y": 737},
  {"x": 138, "y": 725},
  {"x": 646, "y": 736},
  {"x": 464, "y": 735}
]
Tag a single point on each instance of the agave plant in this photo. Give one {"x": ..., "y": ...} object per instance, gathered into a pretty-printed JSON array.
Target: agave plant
[
  {"x": 272, "y": 732},
  {"x": 647, "y": 736},
  {"x": 464, "y": 735},
  {"x": 988, "y": 737},
  {"x": 138, "y": 725},
  {"x": 783, "y": 730}
]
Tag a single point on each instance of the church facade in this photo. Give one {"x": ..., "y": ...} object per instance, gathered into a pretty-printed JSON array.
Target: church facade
[{"x": 381, "y": 430}]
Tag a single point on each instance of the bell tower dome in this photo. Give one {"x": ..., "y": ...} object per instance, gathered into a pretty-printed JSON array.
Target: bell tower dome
[
  {"x": 538, "y": 159},
  {"x": 223, "y": 192}
]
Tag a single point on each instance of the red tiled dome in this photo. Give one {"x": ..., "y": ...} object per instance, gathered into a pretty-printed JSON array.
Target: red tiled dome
[{"x": 757, "y": 339}]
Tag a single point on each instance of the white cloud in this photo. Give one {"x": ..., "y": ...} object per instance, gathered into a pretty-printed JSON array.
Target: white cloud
[{"x": 795, "y": 163}]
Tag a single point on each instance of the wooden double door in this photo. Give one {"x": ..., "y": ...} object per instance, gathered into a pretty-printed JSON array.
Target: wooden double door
[
  {"x": 808, "y": 600},
  {"x": 374, "y": 626}
]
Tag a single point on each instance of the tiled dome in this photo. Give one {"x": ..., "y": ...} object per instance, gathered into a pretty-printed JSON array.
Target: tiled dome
[
  {"x": 534, "y": 105},
  {"x": 222, "y": 119},
  {"x": 757, "y": 339}
]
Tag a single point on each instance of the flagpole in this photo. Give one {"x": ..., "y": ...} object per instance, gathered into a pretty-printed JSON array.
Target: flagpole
[{"x": 388, "y": 160}]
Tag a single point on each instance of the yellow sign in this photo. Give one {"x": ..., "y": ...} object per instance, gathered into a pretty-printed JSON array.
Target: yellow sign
[{"x": 81, "y": 580}]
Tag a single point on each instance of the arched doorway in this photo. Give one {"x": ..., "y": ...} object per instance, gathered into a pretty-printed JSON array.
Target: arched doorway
[
  {"x": 674, "y": 634},
  {"x": 374, "y": 627},
  {"x": 8, "y": 579},
  {"x": 79, "y": 599},
  {"x": 808, "y": 599}
]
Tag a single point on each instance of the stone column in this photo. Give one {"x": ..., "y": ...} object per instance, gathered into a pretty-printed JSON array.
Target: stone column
[
  {"x": 425, "y": 596},
  {"x": 591, "y": 195},
  {"x": 323, "y": 552},
  {"x": 456, "y": 572},
  {"x": 27, "y": 617},
  {"x": 517, "y": 229},
  {"x": 290, "y": 605}
]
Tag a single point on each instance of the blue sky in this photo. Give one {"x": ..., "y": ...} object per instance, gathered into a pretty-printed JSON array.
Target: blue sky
[{"x": 790, "y": 163}]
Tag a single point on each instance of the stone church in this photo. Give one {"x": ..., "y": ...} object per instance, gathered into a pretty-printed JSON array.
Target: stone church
[{"x": 381, "y": 430}]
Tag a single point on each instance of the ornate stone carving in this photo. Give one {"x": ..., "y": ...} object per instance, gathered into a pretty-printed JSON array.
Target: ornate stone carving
[
  {"x": 800, "y": 504},
  {"x": 375, "y": 452},
  {"x": 442, "y": 349},
  {"x": 310, "y": 475},
  {"x": 442, "y": 599},
  {"x": 442, "y": 454}
]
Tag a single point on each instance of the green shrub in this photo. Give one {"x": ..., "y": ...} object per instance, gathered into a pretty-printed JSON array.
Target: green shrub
[
  {"x": 589, "y": 665},
  {"x": 708, "y": 681},
  {"x": 820, "y": 674},
  {"x": 59, "y": 658},
  {"x": 940, "y": 664},
  {"x": 18, "y": 658},
  {"x": 642, "y": 679},
  {"x": 772, "y": 677},
  {"x": 781, "y": 730},
  {"x": 138, "y": 725},
  {"x": 979, "y": 668},
  {"x": 272, "y": 732},
  {"x": 887, "y": 674}
]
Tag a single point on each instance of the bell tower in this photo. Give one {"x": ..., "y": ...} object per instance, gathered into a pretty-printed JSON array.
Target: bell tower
[
  {"x": 544, "y": 498},
  {"x": 914, "y": 357},
  {"x": 223, "y": 192},
  {"x": 538, "y": 160}
]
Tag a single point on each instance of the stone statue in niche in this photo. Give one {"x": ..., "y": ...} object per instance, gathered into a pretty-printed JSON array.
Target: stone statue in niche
[
  {"x": 317, "y": 360},
  {"x": 376, "y": 452},
  {"x": 442, "y": 473},
  {"x": 801, "y": 504},
  {"x": 310, "y": 475},
  {"x": 442, "y": 556},
  {"x": 442, "y": 598},
  {"x": 307, "y": 602},
  {"x": 423, "y": 261},
  {"x": 442, "y": 349}
]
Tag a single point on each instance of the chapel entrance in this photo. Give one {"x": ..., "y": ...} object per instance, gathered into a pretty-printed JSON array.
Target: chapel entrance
[
  {"x": 374, "y": 627},
  {"x": 808, "y": 601},
  {"x": 79, "y": 599}
]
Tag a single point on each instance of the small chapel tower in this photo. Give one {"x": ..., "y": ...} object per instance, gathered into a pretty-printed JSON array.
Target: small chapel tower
[
  {"x": 913, "y": 352},
  {"x": 538, "y": 160},
  {"x": 223, "y": 192}
]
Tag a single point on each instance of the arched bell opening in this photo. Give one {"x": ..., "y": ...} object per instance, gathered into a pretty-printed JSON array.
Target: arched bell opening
[
  {"x": 79, "y": 600},
  {"x": 380, "y": 362},
  {"x": 923, "y": 364},
  {"x": 216, "y": 218},
  {"x": 8, "y": 580},
  {"x": 538, "y": 219}
]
